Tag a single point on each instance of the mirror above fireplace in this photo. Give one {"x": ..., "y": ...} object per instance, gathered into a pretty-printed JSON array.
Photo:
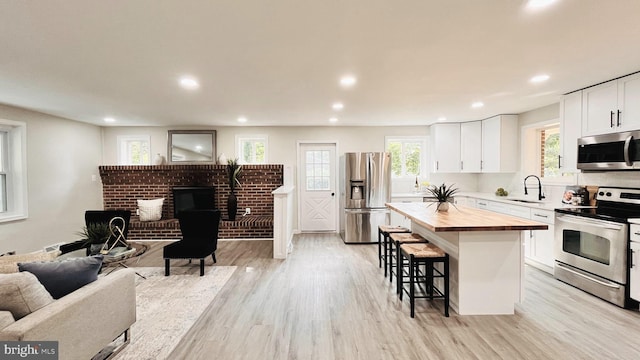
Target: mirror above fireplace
[{"x": 191, "y": 146}]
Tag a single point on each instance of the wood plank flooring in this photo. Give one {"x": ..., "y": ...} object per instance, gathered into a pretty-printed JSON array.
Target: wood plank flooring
[{"x": 329, "y": 300}]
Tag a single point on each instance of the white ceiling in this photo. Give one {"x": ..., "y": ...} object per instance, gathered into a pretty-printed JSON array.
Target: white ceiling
[{"x": 278, "y": 62}]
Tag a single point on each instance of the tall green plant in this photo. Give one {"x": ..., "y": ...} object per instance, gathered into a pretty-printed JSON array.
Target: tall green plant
[
  {"x": 233, "y": 173},
  {"x": 95, "y": 233}
]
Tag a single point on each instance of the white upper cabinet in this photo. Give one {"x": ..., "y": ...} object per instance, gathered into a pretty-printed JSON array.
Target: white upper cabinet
[
  {"x": 612, "y": 106},
  {"x": 629, "y": 102},
  {"x": 471, "y": 146},
  {"x": 500, "y": 144},
  {"x": 570, "y": 129},
  {"x": 446, "y": 147}
]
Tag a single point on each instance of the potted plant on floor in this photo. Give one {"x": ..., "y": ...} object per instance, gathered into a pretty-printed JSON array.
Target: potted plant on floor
[
  {"x": 443, "y": 195},
  {"x": 233, "y": 173}
]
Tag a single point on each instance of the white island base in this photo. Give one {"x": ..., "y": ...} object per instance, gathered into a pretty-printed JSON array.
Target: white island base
[
  {"x": 486, "y": 257},
  {"x": 485, "y": 269}
]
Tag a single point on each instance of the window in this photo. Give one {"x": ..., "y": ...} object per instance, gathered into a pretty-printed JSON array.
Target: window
[
  {"x": 539, "y": 152},
  {"x": 318, "y": 172},
  {"x": 252, "y": 149},
  {"x": 13, "y": 166},
  {"x": 549, "y": 151},
  {"x": 134, "y": 150},
  {"x": 408, "y": 156}
]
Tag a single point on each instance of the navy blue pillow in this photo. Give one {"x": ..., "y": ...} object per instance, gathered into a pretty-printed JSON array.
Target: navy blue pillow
[{"x": 63, "y": 277}]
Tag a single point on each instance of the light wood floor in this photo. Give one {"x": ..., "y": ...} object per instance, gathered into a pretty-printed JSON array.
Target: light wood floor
[{"x": 330, "y": 301}]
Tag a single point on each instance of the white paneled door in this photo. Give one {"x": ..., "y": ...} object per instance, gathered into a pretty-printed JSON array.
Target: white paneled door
[{"x": 318, "y": 200}]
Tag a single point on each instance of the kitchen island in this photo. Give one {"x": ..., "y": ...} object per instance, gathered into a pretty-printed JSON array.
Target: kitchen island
[{"x": 486, "y": 267}]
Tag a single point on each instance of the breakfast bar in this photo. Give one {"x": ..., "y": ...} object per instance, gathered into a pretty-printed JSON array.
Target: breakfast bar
[{"x": 485, "y": 249}]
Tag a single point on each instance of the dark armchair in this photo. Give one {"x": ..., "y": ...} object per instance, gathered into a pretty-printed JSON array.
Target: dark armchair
[{"x": 199, "y": 238}]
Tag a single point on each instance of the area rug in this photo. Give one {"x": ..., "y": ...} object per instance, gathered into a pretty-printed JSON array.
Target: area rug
[{"x": 168, "y": 306}]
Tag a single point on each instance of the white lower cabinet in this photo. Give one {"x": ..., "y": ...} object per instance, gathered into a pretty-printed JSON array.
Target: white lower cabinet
[
  {"x": 538, "y": 244},
  {"x": 634, "y": 271},
  {"x": 540, "y": 247},
  {"x": 400, "y": 220}
]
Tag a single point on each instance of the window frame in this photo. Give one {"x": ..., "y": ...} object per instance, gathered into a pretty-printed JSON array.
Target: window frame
[
  {"x": 530, "y": 137},
  {"x": 424, "y": 157},
  {"x": 124, "y": 157},
  {"x": 15, "y": 170},
  {"x": 254, "y": 138}
]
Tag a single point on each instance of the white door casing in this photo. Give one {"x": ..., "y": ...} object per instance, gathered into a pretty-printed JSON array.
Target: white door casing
[{"x": 318, "y": 200}]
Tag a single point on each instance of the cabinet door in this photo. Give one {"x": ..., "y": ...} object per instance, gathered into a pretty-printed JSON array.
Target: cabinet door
[
  {"x": 634, "y": 272},
  {"x": 543, "y": 246},
  {"x": 570, "y": 129},
  {"x": 446, "y": 147},
  {"x": 599, "y": 108},
  {"x": 491, "y": 144},
  {"x": 470, "y": 146},
  {"x": 629, "y": 103}
]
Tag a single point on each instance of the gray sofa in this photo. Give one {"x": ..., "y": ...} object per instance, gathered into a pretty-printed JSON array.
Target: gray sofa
[{"x": 84, "y": 321}]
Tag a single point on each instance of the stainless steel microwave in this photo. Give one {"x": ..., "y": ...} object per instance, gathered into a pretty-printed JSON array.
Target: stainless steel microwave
[{"x": 617, "y": 151}]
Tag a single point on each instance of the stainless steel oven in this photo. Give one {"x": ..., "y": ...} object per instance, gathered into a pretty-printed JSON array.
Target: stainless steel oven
[{"x": 591, "y": 245}]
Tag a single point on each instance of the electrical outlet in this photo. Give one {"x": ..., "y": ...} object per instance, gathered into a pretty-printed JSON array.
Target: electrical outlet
[{"x": 248, "y": 211}]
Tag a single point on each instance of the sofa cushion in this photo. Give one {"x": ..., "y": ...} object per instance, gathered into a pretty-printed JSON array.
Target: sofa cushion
[
  {"x": 150, "y": 210},
  {"x": 63, "y": 277},
  {"x": 6, "y": 319},
  {"x": 22, "y": 294},
  {"x": 9, "y": 263}
]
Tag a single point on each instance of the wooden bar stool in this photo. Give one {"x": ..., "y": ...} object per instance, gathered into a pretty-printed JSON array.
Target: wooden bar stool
[
  {"x": 428, "y": 255},
  {"x": 395, "y": 240},
  {"x": 383, "y": 239}
]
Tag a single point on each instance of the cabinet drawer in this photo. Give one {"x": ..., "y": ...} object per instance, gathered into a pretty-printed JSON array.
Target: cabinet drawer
[
  {"x": 519, "y": 211},
  {"x": 545, "y": 216},
  {"x": 634, "y": 232}
]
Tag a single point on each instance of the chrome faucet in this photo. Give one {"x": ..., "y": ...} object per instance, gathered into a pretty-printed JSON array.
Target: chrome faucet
[{"x": 540, "y": 194}]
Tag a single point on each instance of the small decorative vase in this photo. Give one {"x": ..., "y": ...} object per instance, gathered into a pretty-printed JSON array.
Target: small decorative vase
[
  {"x": 222, "y": 159},
  {"x": 443, "y": 206},
  {"x": 232, "y": 206},
  {"x": 158, "y": 160}
]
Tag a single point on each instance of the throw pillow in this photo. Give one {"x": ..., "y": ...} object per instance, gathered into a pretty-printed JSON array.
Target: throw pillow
[
  {"x": 63, "y": 277},
  {"x": 150, "y": 210},
  {"x": 9, "y": 263},
  {"x": 22, "y": 294}
]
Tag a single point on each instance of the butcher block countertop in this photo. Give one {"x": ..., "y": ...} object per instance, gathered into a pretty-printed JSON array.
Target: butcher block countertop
[{"x": 462, "y": 218}]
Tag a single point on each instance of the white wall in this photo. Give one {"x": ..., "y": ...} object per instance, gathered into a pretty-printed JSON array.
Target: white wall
[{"x": 62, "y": 155}]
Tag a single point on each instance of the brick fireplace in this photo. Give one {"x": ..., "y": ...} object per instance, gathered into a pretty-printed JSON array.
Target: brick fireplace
[{"x": 123, "y": 185}]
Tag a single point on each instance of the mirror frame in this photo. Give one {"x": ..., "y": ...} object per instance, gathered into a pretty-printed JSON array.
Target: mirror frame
[{"x": 170, "y": 134}]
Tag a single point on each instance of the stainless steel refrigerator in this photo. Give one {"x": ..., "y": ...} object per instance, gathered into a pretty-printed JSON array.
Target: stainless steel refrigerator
[{"x": 366, "y": 186}]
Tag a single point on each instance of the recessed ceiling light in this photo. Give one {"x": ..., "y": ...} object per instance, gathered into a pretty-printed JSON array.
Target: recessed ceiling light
[
  {"x": 242, "y": 119},
  {"x": 198, "y": 147},
  {"x": 539, "y": 78},
  {"x": 337, "y": 106},
  {"x": 348, "y": 81},
  {"x": 536, "y": 4},
  {"x": 189, "y": 83},
  {"x": 442, "y": 118},
  {"x": 477, "y": 104},
  {"x": 109, "y": 120},
  {"x": 333, "y": 120}
]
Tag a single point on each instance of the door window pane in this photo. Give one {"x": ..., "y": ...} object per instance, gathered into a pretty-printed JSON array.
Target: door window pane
[{"x": 317, "y": 170}]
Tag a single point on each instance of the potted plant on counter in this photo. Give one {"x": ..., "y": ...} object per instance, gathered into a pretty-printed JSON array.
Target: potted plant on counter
[{"x": 443, "y": 195}]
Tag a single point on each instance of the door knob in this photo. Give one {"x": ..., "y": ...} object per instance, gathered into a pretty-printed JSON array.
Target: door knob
[{"x": 333, "y": 194}]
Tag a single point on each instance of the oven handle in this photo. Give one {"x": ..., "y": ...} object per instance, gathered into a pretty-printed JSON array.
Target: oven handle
[
  {"x": 588, "y": 221},
  {"x": 613, "y": 286},
  {"x": 627, "y": 158}
]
